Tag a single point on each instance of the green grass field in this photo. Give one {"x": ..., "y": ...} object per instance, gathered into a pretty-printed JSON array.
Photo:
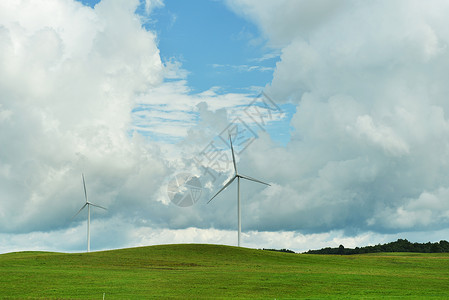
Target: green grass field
[{"x": 211, "y": 271}]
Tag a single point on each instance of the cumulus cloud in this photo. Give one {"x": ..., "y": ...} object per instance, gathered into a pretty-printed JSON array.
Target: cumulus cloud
[
  {"x": 82, "y": 90},
  {"x": 370, "y": 142},
  {"x": 69, "y": 76},
  {"x": 284, "y": 20}
]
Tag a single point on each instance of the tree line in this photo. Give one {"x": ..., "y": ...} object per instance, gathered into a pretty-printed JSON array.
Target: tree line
[{"x": 401, "y": 245}]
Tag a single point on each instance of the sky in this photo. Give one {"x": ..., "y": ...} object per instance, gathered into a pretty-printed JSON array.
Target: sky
[{"x": 340, "y": 105}]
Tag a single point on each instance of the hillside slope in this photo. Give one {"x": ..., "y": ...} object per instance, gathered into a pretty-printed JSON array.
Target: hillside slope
[{"x": 206, "y": 271}]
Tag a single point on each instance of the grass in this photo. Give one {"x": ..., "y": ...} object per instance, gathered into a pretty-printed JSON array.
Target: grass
[{"x": 212, "y": 271}]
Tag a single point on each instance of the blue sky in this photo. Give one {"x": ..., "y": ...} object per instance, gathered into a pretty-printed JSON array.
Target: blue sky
[
  {"x": 130, "y": 98},
  {"x": 216, "y": 47}
]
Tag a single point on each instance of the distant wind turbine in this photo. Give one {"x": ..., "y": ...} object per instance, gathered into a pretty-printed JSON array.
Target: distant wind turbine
[
  {"x": 88, "y": 204},
  {"x": 238, "y": 176}
]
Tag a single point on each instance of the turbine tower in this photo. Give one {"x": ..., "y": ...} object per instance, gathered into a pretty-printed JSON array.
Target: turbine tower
[
  {"x": 238, "y": 176},
  {"x": 88, "y": 204}
]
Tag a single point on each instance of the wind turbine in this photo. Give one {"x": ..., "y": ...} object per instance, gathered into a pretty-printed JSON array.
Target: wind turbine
[
  {"x": 88, "y": 204},
  {"x": 238, "y": 176}
]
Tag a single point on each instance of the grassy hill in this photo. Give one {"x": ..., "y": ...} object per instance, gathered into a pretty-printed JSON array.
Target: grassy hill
[{"x": 207, "y": 271}]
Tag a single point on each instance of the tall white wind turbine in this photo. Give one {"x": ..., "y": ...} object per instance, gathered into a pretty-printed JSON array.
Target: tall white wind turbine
[
  {"x": 238, "y": 176},
  {"x": 88, "y": 204}
]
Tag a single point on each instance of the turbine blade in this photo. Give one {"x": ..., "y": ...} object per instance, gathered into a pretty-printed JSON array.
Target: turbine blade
[
  {"x": 233, "y": 156},
  {"x": 98, "y": 206},
  {"x": 225, "y": 186},
  {"x": 79, "y": 211},
  {"x": 253, "y": 179},
  {"x": 84, "y": 184}
]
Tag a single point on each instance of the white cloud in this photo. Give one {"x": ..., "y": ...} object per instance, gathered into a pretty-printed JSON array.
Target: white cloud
[
  {"x": 69, "y": 77},
  {"x": 151, "y": 4},
  {"x": 380, "y": 135},
  {"x": 117, "y": 233},
  {"x": 82, "y": 90},
  {"x": 281, "y": 21},
  {"x": 244, "y": 68},
  {"x": 370, "y": 133}
]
